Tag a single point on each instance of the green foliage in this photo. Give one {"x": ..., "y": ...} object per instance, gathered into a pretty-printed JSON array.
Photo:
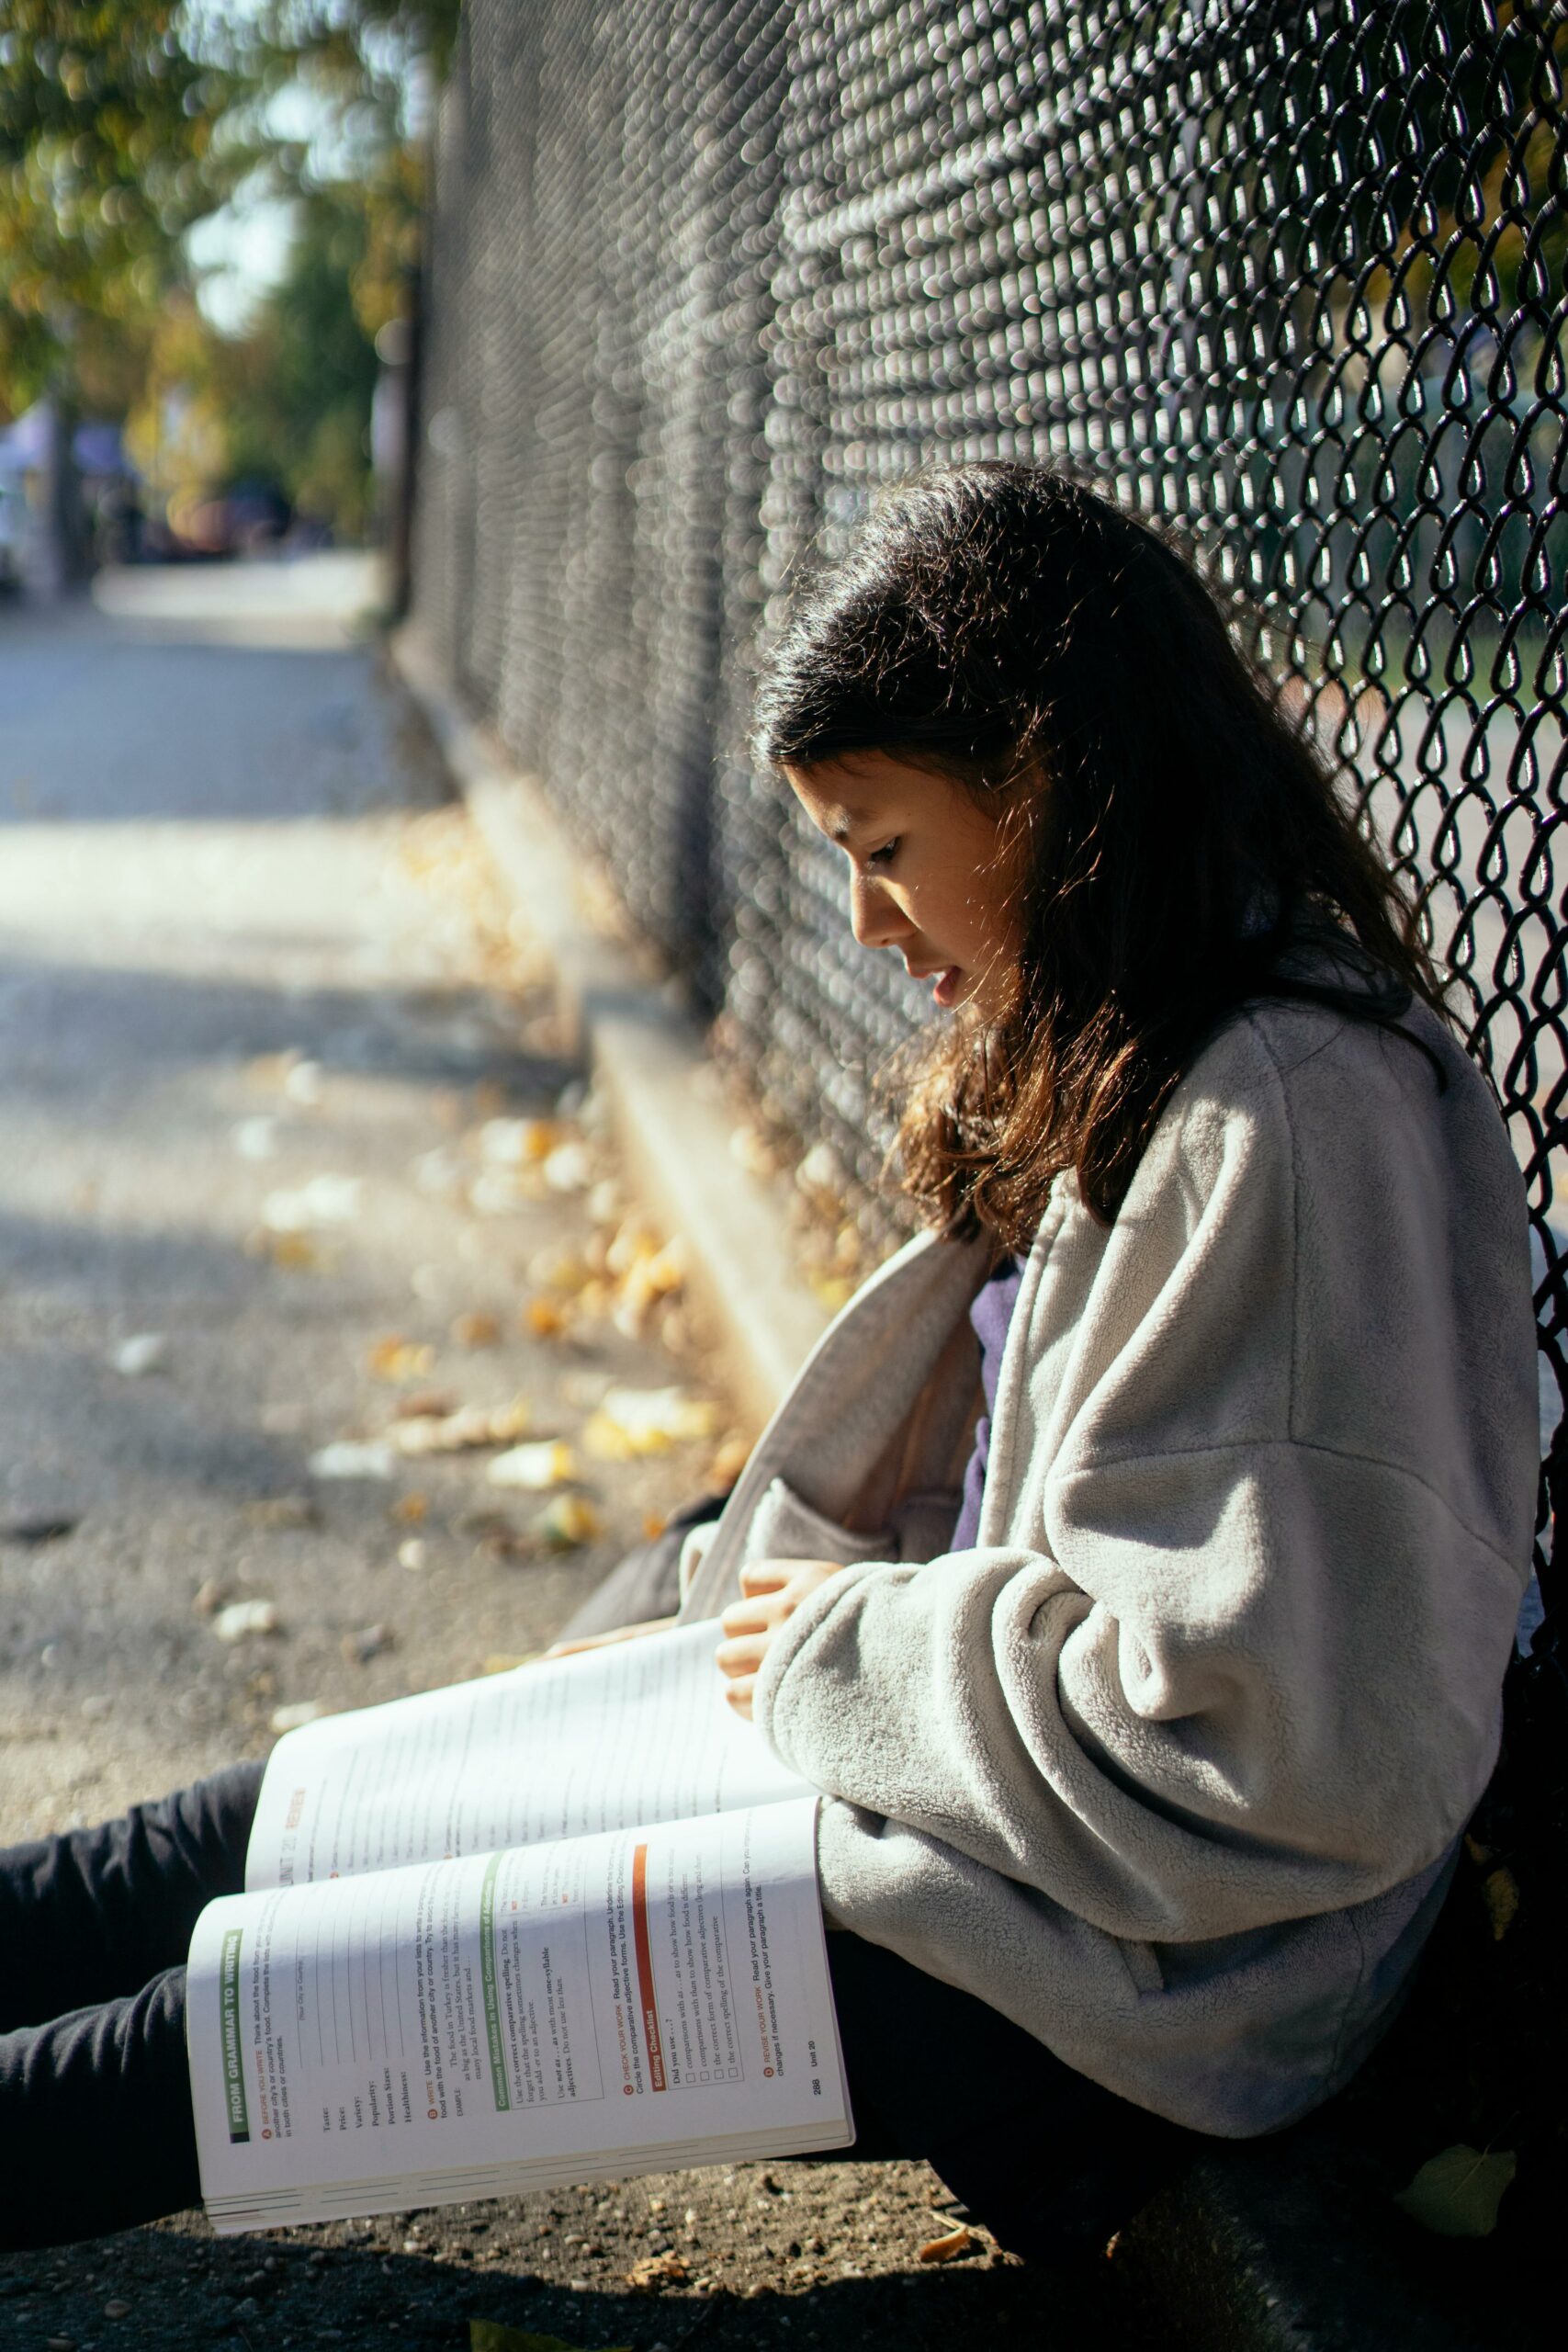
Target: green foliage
[
  {"x": 298, "y": 410},
  {"x": 120, "y": 126},
  {"x": 107, "y": 157}
]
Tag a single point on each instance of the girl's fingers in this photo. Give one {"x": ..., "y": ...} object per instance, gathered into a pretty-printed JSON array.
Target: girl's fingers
[
  {"x": 758, "y": 1616},
  {"x": 739, "y": 1695},
  {"x": 766, "y": 1575},
  {"x": 739, "y": 1658}
]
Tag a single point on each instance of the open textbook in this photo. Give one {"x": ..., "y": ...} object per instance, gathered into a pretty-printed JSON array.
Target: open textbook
[{"x": 559, "y": 1923}]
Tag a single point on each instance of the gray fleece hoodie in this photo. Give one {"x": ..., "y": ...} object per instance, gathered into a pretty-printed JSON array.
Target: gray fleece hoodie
[{"x": 1168, "y": 1768}]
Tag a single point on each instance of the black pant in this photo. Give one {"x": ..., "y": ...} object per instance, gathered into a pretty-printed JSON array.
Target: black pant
[{"x": 95, "y": 2128}]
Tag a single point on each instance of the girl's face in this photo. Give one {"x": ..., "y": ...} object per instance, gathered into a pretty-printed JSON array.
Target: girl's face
[{"x": 929, "y": 873}]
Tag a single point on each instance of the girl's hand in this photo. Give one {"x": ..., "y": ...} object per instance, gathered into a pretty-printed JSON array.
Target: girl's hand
[
  {"x": 775, "y": 1591},
  {"x": 602, "y": 1641}
]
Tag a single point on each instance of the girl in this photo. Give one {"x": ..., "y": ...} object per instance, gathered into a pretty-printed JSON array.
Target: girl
[{"x": 1135, "y": 1562}]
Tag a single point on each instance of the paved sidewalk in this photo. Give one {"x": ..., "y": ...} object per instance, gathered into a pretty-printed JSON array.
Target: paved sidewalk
[{"x": 258, "y": 1018}]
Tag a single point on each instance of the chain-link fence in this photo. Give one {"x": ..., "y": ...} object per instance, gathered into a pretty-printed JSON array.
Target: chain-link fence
[{"x": 704, "y": 272}]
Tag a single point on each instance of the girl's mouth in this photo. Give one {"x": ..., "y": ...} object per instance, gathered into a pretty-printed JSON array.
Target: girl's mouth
[{"x": 945, "y": 990}]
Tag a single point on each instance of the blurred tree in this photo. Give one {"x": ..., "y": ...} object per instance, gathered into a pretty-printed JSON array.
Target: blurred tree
[
  {"x": 121, "y": 125},
  {"x": 107, "y": 157},
  {"x": 298, "y": 399}
]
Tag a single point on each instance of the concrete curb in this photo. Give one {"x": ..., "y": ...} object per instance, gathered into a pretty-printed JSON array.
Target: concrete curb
[{"x": 648, "y": 1055}]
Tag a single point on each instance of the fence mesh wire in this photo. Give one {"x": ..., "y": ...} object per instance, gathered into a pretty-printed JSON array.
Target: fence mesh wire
[{"x": 705, "y": 271}]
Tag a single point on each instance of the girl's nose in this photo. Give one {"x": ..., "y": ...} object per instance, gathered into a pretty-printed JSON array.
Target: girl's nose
[{"x": 875, "y": 920}]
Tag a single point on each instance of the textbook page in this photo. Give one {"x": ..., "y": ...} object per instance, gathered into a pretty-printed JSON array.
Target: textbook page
[
  {"x": 627, "y": 2002},
  {"x": 640, "y": 1731}
]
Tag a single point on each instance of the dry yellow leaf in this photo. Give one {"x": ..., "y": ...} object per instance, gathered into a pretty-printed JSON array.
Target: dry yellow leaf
[
  {"x": 560, "y": 1270},
  {"x": 632, "y": 1421},
  {"x": 604, "y": 1440},
  {"x": 477, "y": 1329},
  {"x": 653, "y": 1525},
  {"x": 408, "y": 1510},
  {"x": 651, "y": 2272},
  {"x": 298, "y": 1253},
  {"x": 566, "y": 1522},
  {"x": 272, "y": 1069},
  {"x": 470, "y": 1425},
  {"x": 543, "y": 1320},
  {"x": 951, "y": 2248},
  {"x": 1501, "y": 1892},
  {"x": 547, "y": 1463},
  {"x": 395, "y": 1358}
]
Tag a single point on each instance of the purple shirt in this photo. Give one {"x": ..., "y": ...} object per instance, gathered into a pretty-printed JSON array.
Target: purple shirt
[{"x": 990, "y": 1314}]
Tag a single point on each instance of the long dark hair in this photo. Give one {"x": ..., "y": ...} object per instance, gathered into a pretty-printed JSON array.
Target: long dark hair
[{"x": 1004, "y": 627}]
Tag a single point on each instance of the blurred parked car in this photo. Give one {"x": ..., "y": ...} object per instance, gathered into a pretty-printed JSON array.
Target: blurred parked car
[{"x": 13, "y": 529}]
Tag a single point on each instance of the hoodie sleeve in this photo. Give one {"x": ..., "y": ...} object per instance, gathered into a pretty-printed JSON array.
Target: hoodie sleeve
[{"x": 1267, "y": 1521}]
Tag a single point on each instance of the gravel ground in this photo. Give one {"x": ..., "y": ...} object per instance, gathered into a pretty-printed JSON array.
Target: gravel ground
[{"x": 259, "y": 1014}]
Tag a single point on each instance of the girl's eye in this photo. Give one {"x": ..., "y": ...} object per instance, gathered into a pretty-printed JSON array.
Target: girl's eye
[{"x": 884, "y": 855}]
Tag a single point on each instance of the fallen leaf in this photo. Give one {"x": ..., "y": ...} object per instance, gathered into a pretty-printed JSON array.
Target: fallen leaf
[
  {"x": 411, "y": 1508},
  {"x": 298, "y": 1253},
  {"x": 369, "y": 1641},
  {"x": 477, "y": 1329},
  {"x": 651, "y": 2272},
  {"x": 256, "y": 1138},
  {"x": 282, "y": 1510},
  {"x": 208, "y": 1597},
  {"x": 325, "y": 1200},
  {"x": 951, "y": 2248},
  {"x": 295, "y": 1716},
  {"x": 148, "y": 1351},
  {"x": 543, "y": 1320},
  {"x": 427, "y": 1404},
  {"x": 634, "y": 1421},
  {"x": 244, "y": 1617},
  {"x": 515, "y": 1143},
  {"x": 562, "y": 1270},
  {"x": 653, "y": 1526},
  {"x": 470, "y": 1425},
  {"x": 566, "y": 1522},
  {"x": 1501, "y": 1892},
  {"x": 1458, "y": 2193},
  {"x": 604, "y": 1201},
  {"x": 494, "y": 2335},
  {"x": 394, "y": 1358},
  {"x": 413, "y": 1554},
  {"x": 272, "y": 1069},
  {"x": 438, "y": 1171},
  {"x": 354, "y": 1458},
  {"x": 570, "y": 1167},
  {"x": 533, "y": 1467}
]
